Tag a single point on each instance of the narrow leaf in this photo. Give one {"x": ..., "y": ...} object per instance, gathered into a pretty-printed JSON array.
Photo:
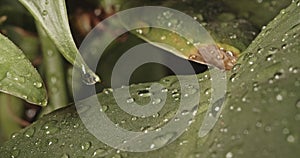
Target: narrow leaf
[
  {"x": 52, "y": 16},
  {"x": 17, "y": 76}
]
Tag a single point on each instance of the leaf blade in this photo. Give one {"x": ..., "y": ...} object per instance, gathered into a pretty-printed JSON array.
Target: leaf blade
[
  {"x": 48, "y": 14},
  {"x": 17, "y": 76}
]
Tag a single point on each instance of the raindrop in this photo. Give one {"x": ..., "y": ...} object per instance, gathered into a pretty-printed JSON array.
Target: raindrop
[
  {"x": 52, "y": 141},
  {"x": 14, "y": 135},
  {"x": 104, "y": 108},
  {"x": 293, "y": 70},
  {"x": 144, "y": 93},
  {"x": 163, "y": 37},
  {"x": 269, "y": 57},
  {"x": 162, "y": 140},
  {"x": 44, "y": 12},
  {"x": 285, "y": 131},
  {"x": 65, "y": 156},
  {"x": 229, "y": 155},
  {"x": 86, "y": 145},
  {"x": 290, "y": 139},
  {"x": 279, "y": 97},
  {"x": 99, "y": 153},
  {"x": 89, "y": 79},
  {"x": 51, "y": 127},
  {"x": 38, "y": 84},
  {"x": 29, "y": 132},
  {"x": 139, "y": 31},
  {"x": 130, "y": 100},
  {"x": 235, "y": 68},
  {"x": 232, "y": 78},
  {"x": 15, "y": 153},
  {"x": 164, "y": 90},
  {"x": 184, "y": 112},
  {"x": 156, "y": 101},
  {"x": 273, "y": 50},
  {"x": 277, "y": 75},
  {"x": 298, "y": 104}
]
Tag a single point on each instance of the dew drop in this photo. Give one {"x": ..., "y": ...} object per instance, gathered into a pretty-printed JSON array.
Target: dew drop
[
  {"x": 232, "y": 78},
  {"x": 273, "y": 50},
  {"x": 144, "y": 93},
  {"x": 86, "y": 145},
  {"x": 104, "y": 108},
  {"x": 99, "y": 153},
  {"x": 162, "y": 140},
  {"x": 229, "y": 155},
  {"x": 15, "y": 153},
  {"x": 164, "y": 90},
  {"x": 184, "y": 112},
  {"x": 279, "y": 97},
  {"x": 29, "y": 132},
  {"x": 298, "y": 104},
  {"x": 130, "y": 100},
  {"x": 44, "y": 12},
  {"x": 38, "y": 84},
  {"x": 290, "y": 139},
  {"x": 235, "y": 68},
  {"x": 156, "y": 101},
  {"x": 65, "y": 156},
  {"x": 52, "y": 141}
]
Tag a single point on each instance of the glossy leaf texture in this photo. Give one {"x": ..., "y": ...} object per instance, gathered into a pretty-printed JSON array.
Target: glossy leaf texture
[
  {"x": 260, "y": 119},
  {"x": 17, "y": 75},
  {"x": 52, "y": 16}
]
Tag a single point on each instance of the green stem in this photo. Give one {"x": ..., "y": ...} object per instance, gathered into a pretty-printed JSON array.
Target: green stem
[{"x": 54, "y": 73}]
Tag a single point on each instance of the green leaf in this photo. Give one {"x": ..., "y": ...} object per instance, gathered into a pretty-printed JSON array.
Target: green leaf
[
  {"x": 17, "y": 76},
  {"x": 52, "y": 16},
  {"x": 260, "y": 119}
]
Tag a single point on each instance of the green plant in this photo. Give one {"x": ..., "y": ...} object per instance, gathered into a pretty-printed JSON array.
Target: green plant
[{"x": 261, "y": 108}]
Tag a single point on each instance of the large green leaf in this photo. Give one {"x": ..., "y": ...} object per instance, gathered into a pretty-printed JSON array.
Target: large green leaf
[
  {"x": 17, "y": 76},
  {"x": 52, "y": 16},
  {"x": 260, "y": 119}
]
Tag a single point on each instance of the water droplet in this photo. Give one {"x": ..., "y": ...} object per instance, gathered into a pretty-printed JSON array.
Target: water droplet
[
  {"x": 38, "y": 84},
  {"x": 86, "y": 145},
  {"x": 44, "y": 12},
  {"x": 293, "y": 70},
  {"x": 184, "y": 112},
  {"x": 269, "y": 57},
  {"x": 99, "y": 153},
  {"x": 163, "y": 38},
  {"x": 285, "y": 131},
  {"x": 14, "y": 135},
  {"x": 235, "y": 68},
  {"x": 162, "y": 140},
  {"x": 52, "y": 141},
  {"x": 50, "y": 127},
  {"x": 156, "y": 101},
  {"x": 229, "y": 155},
  {"x": 29, "y": 132},
  {"x": 130, "y": 100},
  {"x": 232, "y": 78},
  {"x": 65, "y": 156},
  {"x": 15, "y": 153},
  {"x": 164, "y": 90},
  {"x": 144, "y": 93},
  {"x": 290, "y": 139},
  {"x": 279, "y": 97},
  {"x": 273, "y": 50},
  {"x": 104, "y": 108},
  {"x": 298, "y": 104}
]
